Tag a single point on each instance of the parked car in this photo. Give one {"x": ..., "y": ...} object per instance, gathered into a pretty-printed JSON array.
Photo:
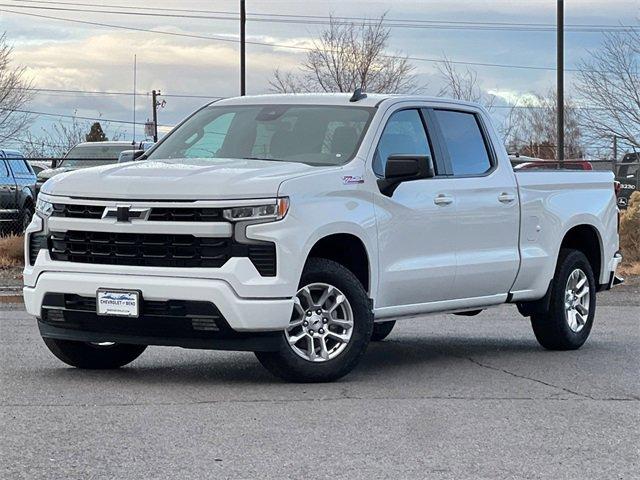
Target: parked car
[
  {"x": 39, "y": 165},
  {"x": 628, "y": 174},
  {"x": 301, "y": 227},
  {"x": 17, "y": 192},
  {"x": 522, "y": 163},
  {"x": 89, "y": 154}
]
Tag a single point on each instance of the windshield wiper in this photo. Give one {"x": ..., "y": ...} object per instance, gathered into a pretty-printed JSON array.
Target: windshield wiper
[{"x": 267, "y": 159}]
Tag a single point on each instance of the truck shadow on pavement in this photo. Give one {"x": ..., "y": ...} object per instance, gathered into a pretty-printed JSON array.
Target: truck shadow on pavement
[{"x": 395, "y": 355}]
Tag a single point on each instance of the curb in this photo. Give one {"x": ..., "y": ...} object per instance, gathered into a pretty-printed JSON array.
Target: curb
[{"x": 11, "y": 295}]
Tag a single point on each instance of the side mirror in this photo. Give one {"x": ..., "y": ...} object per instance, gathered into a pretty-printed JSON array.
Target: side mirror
[
  {"x": 54, "y": 163},
  {"x": 404, "y": 168},
  {"x": 129, "y": 155}
]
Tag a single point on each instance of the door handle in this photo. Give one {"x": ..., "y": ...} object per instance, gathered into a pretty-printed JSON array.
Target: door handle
[
  {"x": 443, "y": 199},
  {"x": 506, "y": 198}
]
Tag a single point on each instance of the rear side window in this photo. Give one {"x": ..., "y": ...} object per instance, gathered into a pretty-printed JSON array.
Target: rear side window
[
  {"x": 3, "y": 169},
  {"x": 404, "y": 134},
  {"x": 464, "y": 142},
  {"x": 19, "y": 167}
]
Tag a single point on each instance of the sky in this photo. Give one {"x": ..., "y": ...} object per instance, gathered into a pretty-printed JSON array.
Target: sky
[{"x": 63, "y": 55}]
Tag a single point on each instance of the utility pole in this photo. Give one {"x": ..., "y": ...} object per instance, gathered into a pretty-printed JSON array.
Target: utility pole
[
  {"x": 154, "y": 106},
  {"x": 243, "y": 22},
  {"x": 135, "y": 81},
  {"x": 560, "y": 87}
]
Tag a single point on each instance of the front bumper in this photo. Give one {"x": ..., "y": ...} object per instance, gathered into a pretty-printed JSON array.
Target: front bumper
[{"x": 241, "y": 314}]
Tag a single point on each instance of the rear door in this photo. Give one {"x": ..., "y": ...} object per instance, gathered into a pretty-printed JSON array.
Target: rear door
[{"x": 487, "y": 205}]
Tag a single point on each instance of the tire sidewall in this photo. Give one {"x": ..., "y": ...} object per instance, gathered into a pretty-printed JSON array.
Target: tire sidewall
[
  {"x": 571, "y": 262},
  {"x": 332, "y": 273}
]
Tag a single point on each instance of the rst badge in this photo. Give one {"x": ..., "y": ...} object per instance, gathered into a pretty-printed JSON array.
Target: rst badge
[{"x": 352, "y": 179}]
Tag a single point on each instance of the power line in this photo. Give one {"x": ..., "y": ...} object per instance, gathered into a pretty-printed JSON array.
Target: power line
[
  {"x": 78, "y": 117},
  {"x": 99, "y": 92},
  {"x": 318, "y": 19},
  {"x": 275, "y": 45}
]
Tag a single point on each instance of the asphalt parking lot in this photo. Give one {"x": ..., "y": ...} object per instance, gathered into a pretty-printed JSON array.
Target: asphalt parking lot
[{"x": 444, "y": 397}]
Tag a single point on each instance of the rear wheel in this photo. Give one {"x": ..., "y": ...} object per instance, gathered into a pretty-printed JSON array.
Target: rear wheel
[
  {"x": 567, "y": 323},
  {"x": 330, "y": 327},
  {"x": 381, "y": 330},
  {"x": 94, "y": 355}
]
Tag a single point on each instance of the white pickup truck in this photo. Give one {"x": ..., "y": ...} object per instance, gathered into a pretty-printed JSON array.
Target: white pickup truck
[{"x": 301, "y": 227}]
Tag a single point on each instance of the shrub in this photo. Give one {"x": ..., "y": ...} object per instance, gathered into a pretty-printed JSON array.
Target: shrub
[
  {"x": 11, "y": 251},
  {"x": 630, "y": 230}
]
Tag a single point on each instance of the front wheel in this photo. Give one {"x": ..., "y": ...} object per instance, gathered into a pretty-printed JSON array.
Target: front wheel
[
  {"x": 100, "y": 356},
  {"x": 567, "y": 323},
  {"x": 330, "y": 327}
]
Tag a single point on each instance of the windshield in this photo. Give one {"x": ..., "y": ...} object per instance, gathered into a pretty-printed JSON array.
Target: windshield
[
  {"x": 311, "y": 134},
  {"x": 82, "y": 156}
]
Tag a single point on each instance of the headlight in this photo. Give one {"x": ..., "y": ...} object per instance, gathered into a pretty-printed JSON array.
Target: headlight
[
  {"x": 44, "y": 208},
  {"x": 271, "y": 211}
]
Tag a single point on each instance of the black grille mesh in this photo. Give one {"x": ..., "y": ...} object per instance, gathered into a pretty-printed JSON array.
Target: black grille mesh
[
  {"x": 157, "y": 250},
  {"x": 154, "y": 250}
]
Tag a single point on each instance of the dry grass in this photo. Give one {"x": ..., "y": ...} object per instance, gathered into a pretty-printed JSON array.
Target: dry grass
[
  {"x": 630, "y": 231},
  {"x": 11, "y": 251}
]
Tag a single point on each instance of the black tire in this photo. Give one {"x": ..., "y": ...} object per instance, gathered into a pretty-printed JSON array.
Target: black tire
[
  {"x": 552, "y": 328},
  {"x": 381, "y": 330},
  {"x": 27, "y": 215},
  {"x": 90, "y": 356},
  {"x": 286, "y": 364}
]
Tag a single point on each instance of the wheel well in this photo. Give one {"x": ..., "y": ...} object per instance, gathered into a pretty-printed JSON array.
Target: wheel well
[
  {"x": 585, "y": 239},
  {"x": 28, "y": 204},
  {"x": 347, "y": 250}
]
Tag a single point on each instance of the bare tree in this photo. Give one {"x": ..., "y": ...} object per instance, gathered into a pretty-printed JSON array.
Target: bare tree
[
  {"x": 532, "y": 127},
  {"x": 59, "y": 138},
  {"x": 14, "y": 94},
  {"x": 462, "y": 85},
  {"x": 609, "y": 80},
  {"x": 348, "y": 56}
]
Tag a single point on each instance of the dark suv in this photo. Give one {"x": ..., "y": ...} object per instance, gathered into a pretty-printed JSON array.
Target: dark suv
[
  {"x": 628, "y": 174},
  {"x": 17, "y": 192}
]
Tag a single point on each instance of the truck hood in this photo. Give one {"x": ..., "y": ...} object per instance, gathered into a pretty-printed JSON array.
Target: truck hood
[
  {"x": 185, "y": 179},
  {"x": 47, "y": 173}
]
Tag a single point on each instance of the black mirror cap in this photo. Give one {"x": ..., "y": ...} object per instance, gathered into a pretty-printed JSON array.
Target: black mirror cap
[
  {"x": 404, "y": 168},
  {"x": 129, "y": 155}
]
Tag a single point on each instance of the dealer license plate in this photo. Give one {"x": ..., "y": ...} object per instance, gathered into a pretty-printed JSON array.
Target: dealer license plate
[{"x": 118, "y": 303}]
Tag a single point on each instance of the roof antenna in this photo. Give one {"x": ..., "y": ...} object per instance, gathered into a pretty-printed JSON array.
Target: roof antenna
[{"x": 358, "y": 95}]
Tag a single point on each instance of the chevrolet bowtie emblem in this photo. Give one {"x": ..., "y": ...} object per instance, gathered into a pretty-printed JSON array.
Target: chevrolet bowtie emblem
[{"x": 124, "y": 213}]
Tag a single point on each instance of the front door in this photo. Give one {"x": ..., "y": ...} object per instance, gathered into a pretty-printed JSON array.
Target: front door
[{"x": 416, "y": 225}]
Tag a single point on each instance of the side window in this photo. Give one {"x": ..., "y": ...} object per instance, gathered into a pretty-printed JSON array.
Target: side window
[
  {"x": 464, "y": 141},
  {"x": 19, "y": 167},
  {"x": 403, "y": 134},
  {"x": 3, "y": 169}
]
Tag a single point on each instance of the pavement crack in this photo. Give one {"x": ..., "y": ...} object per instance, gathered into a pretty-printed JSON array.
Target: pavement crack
[{"x": 524, "y": 377}]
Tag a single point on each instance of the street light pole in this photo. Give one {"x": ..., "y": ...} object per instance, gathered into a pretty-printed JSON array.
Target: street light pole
[
  {"x": 243, "y": 21},
  {"x": 560, "y": 80}
]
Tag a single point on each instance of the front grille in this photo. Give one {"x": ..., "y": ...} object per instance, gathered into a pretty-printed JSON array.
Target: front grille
[
  {"x": 185, "y": 215},
  {"x": 152, "y": 250},
  {"x": 157, "y": 250},
  {"x": 77, "y": 211},
  {"x": 37, "y": 242},
  {"x": 157, "y": 214}
]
